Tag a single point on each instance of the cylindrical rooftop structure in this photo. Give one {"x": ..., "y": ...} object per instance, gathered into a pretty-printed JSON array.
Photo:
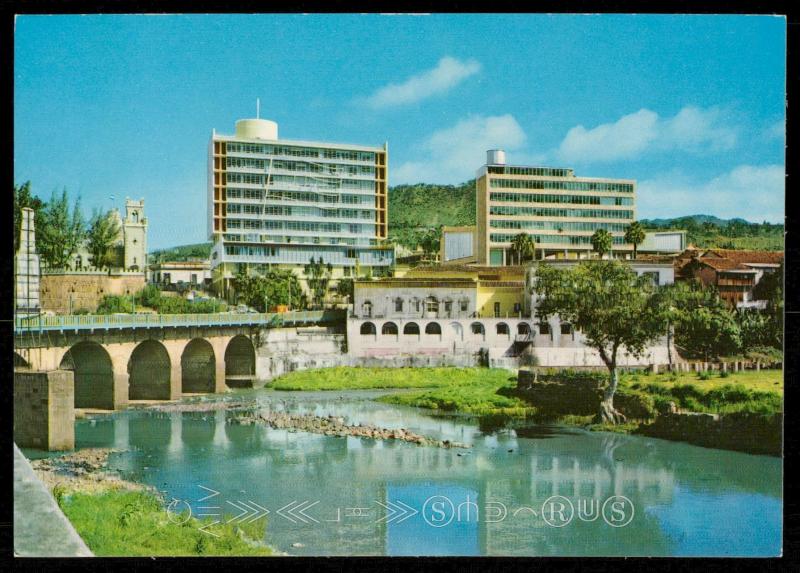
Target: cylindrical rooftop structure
[
  {"x": 256, "y": 129},
  {"x": 495, "y": 157}
]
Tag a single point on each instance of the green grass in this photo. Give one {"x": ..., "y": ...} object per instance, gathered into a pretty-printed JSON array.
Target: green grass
[
  {"x": 346, "y": 378},
  {"x": 135, "y": 523},
  {"x": 481, "y": 399},
  {"x": 765, "y": 380}
]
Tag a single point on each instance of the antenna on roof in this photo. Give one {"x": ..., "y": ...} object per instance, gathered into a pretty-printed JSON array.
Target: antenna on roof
[{"x": 258, "y": 108}]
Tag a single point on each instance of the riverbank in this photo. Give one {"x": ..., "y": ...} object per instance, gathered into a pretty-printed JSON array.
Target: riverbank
[
  {"x": 747, "y": 400},
  {"x": 116, "y": 517}
]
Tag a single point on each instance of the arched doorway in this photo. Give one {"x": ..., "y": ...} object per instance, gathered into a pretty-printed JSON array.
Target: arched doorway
[
  {"x": 198, "y": 366},
  {"x": 433, "y": 328},
  {"x": 367, "y": 329},
  {"x": 411, "y": 328},
  {"x": 93, "y": 375},
  {"x": 389, "y": 328},
  {"x": 240, "y": 362},
  {"x": 149, "y": 372},
  {"x": 458, "y": 330}
]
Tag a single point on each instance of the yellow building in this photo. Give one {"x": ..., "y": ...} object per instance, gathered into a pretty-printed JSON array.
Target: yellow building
[{"x": 444, "y": 291}]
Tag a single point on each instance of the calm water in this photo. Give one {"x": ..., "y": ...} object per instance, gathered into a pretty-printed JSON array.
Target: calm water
[{"x": 490, "y": 500}]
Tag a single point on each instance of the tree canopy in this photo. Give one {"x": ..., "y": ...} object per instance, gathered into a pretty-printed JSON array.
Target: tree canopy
[
  {"x": 612, "y": 307},
  {"x": 523, "y": 247},
  {"x": 634, "y": 235},
  {"x": 103, "y": 231},
  {"x": 60, "y": 231},
  {"x": 601, "y": 242}
]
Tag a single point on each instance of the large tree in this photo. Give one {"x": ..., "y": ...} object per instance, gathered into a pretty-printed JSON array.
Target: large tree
[
  {"x": 276, "y": 287},
  {"x": 103, "y": 232},
  {"x": 612, "y": 307},
  {"x": 430, "y": 241},
  {"x": 60, "y": 232},
  {"x": 601, "y": 242},
  {"x": 704, "y": 325},
  {"x": 24, "y": 198},
  {"x": 634, "y": 235},
  {"x": 318, "y": 275},
  {"x": 523, "y": 247}
]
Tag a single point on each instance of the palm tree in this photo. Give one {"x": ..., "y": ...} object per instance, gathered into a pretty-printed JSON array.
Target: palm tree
[
  {"x": 523, "y": 245},
  {"x": 601, "y": 242},
  {"x": 103, "y": 231},
  {"x": 634, "y": 235}
]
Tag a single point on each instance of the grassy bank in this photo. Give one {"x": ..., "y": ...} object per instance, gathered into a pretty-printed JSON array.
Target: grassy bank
[
  {"x": 346, "y": 378},
  {"x": 120, "y": 522}
]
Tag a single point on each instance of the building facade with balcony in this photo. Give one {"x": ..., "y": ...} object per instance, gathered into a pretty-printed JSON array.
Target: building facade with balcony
[
  {"x": 558, "y": 209},
  {"x": 275, "y": 203}
]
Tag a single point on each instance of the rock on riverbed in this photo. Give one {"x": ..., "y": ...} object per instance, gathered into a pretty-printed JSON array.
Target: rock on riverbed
[
  {"x": 84, "y": 470},
  {"x": 336, "y": 426}
]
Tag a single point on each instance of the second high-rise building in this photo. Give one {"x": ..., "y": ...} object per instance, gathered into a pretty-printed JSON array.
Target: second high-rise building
[{"x": 559, "y": 210}]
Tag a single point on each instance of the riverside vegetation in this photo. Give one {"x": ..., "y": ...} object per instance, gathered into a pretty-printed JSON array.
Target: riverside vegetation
[
  {"x": 492, "y": 394},
  {"x": 116, "y": 517}
]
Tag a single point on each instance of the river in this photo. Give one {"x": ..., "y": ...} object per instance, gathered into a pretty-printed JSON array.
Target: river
[{"x": 540, "y": 491}]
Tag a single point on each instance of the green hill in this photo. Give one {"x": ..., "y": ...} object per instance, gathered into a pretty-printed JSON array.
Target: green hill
[
  {"x": 414, "y": 209},
  {"x": 182, "y": 253},
  {"x": 707, "y": 231}
]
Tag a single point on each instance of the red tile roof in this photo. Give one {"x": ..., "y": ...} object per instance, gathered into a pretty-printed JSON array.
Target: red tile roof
[{"x": 744, "y": 257}]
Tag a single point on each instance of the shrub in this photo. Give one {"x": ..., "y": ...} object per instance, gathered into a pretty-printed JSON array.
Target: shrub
[
  {"x": 81, "y": 311},
  {"x": 724, "y": 374},
  {"x": 111, "y": 304},
  {"x": 704, "y": 375}
]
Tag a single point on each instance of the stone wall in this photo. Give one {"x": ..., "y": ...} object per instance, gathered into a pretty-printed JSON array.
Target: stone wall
[
  {"x": 744, "y": 431},
  {"x": 282, "y": 350},
  {"x": 44, "y": 414},
  {"x": 84, "y": 290}
]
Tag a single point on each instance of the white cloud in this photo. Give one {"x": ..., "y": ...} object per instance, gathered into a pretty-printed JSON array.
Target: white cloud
[
  {"x": 752, "y": 192},
  {"x": 776, "y": 131},
  {"x": 691, "y": 129},
  {"x": 446, "y": 75},
  {"x": 453, "y": 154}
]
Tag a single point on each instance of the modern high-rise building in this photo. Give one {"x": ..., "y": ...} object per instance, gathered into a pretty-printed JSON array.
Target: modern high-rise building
[
  {"x": 559, "y": 210},
  {"x": 277, "y": 203}
]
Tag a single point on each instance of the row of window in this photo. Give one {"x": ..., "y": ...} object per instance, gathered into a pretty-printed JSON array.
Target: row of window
[
  {"x": 557, "y": 239},
  {"x": 308, "y": 226},
  {"x": 556, "y": 212},
  {"x": 308, "y": 196},
  {"x": 299, "y": 151},
  {"x": 303, "y": 254},
  {"x": 301, "y": 181},
  {"x": 342, "y": 241},
  {"x": 412, "y": 328},
  {"x": 552, "y": 198},
  {"x": 563, "y": 185},
  {"x": 249, "y": 209},
  {"x": 536, "y": 171},
  {"x": 556, "y": 225},
  {"x": 300, "y": 166}
]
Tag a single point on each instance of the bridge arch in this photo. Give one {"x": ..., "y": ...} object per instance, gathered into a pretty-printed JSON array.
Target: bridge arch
[
  {"x": 149, "y": 371},
  {"x": 240, "y": 361},
  {"x": 198, "y": 366},
  {"x": 93, "y": 375}
]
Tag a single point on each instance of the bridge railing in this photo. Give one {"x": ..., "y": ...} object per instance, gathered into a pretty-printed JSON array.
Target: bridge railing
[{"x": 91, "y": 321}]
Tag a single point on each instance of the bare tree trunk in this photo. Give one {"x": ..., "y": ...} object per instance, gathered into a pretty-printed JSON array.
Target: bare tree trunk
[
  {"x": 607, "y": 413},
  {"x": 669, "y": 346}
]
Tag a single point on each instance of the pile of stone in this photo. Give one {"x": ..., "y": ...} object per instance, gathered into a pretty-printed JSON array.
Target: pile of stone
[{"x": 336, "y": 426}]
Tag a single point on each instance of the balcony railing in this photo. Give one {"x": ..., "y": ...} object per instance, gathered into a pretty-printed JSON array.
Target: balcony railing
[{"x": 122, "y": 321}]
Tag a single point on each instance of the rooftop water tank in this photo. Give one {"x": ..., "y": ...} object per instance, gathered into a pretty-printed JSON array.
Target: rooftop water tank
[
  {"x": 495, "y": 157},
  {"x": 256, "y": 129}
]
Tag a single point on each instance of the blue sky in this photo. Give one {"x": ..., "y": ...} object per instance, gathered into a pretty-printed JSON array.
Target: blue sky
[{"x": 692, "y": 107}]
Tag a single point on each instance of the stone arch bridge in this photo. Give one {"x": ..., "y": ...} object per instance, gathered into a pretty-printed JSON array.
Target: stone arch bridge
[{"x": 118, "y": 359}]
